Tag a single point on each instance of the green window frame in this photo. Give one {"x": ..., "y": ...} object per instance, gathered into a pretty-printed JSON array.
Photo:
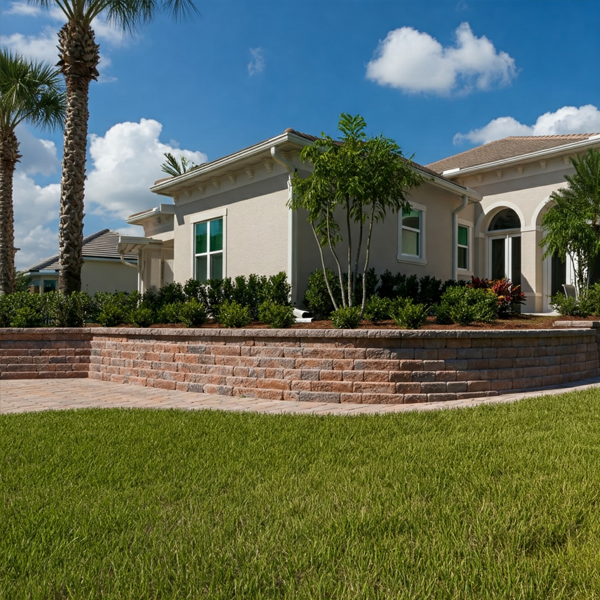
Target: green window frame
[
  {"x": 209, "y": 250},
  {"x": 462, "y": 249}
]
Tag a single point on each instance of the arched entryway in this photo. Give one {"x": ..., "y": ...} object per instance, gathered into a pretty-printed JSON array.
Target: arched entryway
[{"x": 504, "y": 246}]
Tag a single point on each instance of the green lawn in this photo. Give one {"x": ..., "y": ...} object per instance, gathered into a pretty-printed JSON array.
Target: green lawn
[{"x": 491, "y": 502}]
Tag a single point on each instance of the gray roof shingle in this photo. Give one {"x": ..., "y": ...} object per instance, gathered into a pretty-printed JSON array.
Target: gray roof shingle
[
  {"x": 102, "y": 244},
  {"x": 507, "y": 147}
]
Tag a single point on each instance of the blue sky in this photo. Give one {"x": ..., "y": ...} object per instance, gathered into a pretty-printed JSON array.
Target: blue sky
[{"x": 437, "y": 76}]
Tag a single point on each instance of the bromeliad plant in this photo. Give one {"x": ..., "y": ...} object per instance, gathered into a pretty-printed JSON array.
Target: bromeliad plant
[
  {"x": 509, "y": 296},
  {"x": 357, "y": 179}
]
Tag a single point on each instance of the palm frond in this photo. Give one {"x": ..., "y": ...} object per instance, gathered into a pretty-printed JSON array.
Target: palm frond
[{"x": 30, "y": 91}]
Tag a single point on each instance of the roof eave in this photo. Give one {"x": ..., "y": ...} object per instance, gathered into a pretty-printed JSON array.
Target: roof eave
[
  {"x": 529, "y": 157},
  {"x": 166, "y": 187}
]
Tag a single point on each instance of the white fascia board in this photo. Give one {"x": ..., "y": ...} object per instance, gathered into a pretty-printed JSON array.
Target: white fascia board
[
  {"x": 165, "y": 187},
  {"x": 129, "y": 243},
  {"x": 163, "y": 209},
  {"x": 530, "y": 157}
]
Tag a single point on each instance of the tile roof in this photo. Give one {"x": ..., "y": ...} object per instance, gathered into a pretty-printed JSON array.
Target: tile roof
[
  {"x": 507, "y": 147},
  {"x": 102, "y": 244}
]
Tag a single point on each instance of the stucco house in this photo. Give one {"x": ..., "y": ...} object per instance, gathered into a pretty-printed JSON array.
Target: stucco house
[
  {"x": 515, "y": 177},
  {"x": 230, "y": 217},
  {"x": 478, "y": 213},
  {"x": 103, "y": 270}
]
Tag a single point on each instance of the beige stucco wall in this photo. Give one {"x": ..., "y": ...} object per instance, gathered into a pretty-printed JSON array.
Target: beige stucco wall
[
  {"x": 255, "y": 226},
  {"x": 525, "y": 188},
  {"x": 384, "y": 247},
  {"x": 107, "y": 276}
]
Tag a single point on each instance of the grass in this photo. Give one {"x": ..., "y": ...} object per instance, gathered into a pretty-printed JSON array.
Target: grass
[{"x": 491, "y": 502}]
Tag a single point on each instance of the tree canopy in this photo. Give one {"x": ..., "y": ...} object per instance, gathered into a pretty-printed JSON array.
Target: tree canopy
[
  {"x": 572, "y": 225},
  {"x": 358, "y": 180}
]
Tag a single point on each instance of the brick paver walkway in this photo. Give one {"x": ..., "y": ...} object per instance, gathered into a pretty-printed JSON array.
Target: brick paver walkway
[{"x": 18, "y": 396}]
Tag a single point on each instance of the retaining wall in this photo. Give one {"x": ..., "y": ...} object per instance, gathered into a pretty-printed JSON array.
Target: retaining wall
[{"x": 363, "y": 366}]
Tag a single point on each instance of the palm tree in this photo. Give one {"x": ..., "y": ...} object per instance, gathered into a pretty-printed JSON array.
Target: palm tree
[
  {"x": 79, "y": 58},
  {"x": 30, "y": 92},
  {"x": 173, "y": 167},
  {"x": 572, "y": 225}
]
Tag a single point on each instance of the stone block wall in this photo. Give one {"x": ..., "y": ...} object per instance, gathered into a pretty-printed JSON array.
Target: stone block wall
[
  {"x": 44, "y": 353},
  {"x": 360, "y": 366},
  {"x": 376, "y": 366}
]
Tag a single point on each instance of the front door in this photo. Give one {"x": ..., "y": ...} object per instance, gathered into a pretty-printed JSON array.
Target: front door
[{"x": 505, "y": 257}]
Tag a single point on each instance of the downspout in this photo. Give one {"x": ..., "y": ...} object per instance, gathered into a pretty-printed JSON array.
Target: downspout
[
  {"x": 463, "y": 205},
  {"x": 289, "y": 167}
]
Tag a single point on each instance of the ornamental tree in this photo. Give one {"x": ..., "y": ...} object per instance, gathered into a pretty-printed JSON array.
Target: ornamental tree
[
  {"x": 572, "y": 225},
  {"x": 356, "y": 181}
]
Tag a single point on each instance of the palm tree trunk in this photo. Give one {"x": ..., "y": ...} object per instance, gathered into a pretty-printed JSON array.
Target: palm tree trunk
[
  {"x": 9, "y": 156},
  {"x": 79, "y": 57}
]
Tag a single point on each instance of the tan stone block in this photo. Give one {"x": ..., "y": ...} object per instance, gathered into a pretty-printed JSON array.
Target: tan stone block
[
  {"x": 415, "y": 398},
  {"x": 274, "y": 384},
  {"x": 433, "y": 387},
  {"x": 351, "y": 398},
  {"x": 456, "y": 386},
  {"x": 367, "y": 387},
  {"x": 345, "y": 364},
  {"x": 332, "y": 386},
  {"x": 445, "y": 375},
  {"x": 382, "y": 399},
  {"x": 478, "y": 386},
  {"x": 376, "y": 375},
  {"x": 301, "y": 385},
  {"x": 353, "y": 375}
]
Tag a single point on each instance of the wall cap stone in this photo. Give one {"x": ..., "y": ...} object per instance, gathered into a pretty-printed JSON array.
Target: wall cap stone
[{"x": 562, "y": 330}]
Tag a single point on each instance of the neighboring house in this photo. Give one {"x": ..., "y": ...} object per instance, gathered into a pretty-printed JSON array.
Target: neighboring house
[
  {"x": 103, "y": 267},
  {"x": 230, "y": 217},
  {"x": 515, "y": 177}
]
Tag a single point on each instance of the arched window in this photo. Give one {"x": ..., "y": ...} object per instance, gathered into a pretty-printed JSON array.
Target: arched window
[{"x": 505, "y": 219}]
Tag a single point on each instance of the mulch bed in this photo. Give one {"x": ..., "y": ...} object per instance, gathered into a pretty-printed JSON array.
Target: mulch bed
[{"x": 516, "y": 322}]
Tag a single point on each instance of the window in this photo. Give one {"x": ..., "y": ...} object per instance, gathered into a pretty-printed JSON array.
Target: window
[
  {"x": 411, "y": 229},
  {"x": 209, "y": 249},
  {"x": 463, "y": 247},
  {"x": 49, "y": 285},
  {"x": 411, "y": 232}
]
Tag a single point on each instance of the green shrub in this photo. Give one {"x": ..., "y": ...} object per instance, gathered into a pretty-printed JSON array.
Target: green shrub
[
  {"x": 377, "y": 309},
  {"x": 24, "y": 308},
  {"x": 27, "y": 316},
  {"x": 142, "y": 316},
  {"x": 69, "y": 311},
  {"x": 346, "y": 318},
  {"x": 233, "y": 314},
  {"x": 171, "y": 293},
  {"x": 317, "y": 299},
  {"x": 408, "y": 315},
  {"x": 570, "y": 307},
  {"x": 464, "y": 305},
  {"x": 192, "y": 313},
  {"x": 278, "y": 316},
  {"x": 112, "y": 315},
  {"x": 169, "y": 313}
]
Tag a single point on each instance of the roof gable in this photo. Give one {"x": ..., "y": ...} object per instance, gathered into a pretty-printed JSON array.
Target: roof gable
[{"x": 102, "y": 244}]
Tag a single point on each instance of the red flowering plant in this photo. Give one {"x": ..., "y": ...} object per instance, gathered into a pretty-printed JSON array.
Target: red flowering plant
[{"x": 510, "y": 296}]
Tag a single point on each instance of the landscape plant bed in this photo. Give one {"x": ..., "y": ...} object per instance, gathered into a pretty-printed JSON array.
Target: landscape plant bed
[
  {"x": 491, "y": 502},
  {"x": 515, "y": 322}
]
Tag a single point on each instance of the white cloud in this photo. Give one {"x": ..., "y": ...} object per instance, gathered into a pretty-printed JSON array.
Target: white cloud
[
  {"x": 415, "y": 62},
  {"x": 36, "y": 208},
  {"x": 125, "y": 163},
  {"x": 257, "y": 63},
  {"x": 43, "y": 47},
  {"x": 38, "y": 156},
  {"x": 37, "y": 47},
  {"x": 568, "y": 119},
  {"x": 23, "y": 9}
]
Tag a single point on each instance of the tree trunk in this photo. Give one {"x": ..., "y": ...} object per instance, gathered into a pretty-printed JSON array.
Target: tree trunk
[
  {"x": 79, "y": 57},
  {"x": 9, "y": 156}
]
